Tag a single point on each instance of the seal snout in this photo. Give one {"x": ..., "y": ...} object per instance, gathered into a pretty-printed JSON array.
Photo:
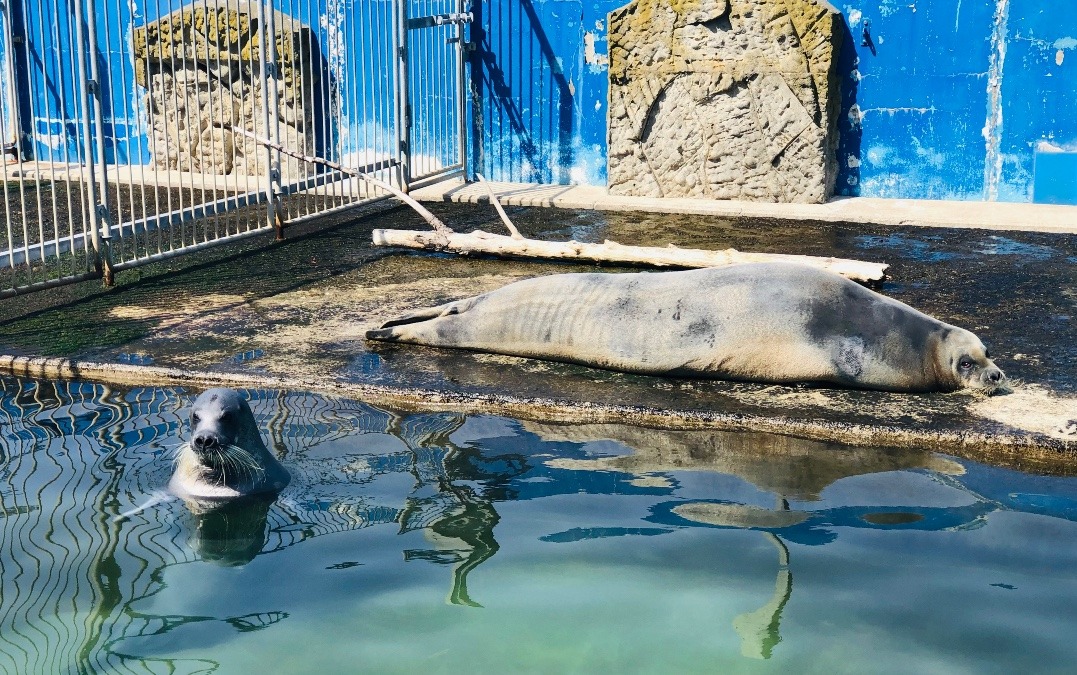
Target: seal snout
[
  {"x": 993, "y": 380},
  {"x": 205, "y": 441}
]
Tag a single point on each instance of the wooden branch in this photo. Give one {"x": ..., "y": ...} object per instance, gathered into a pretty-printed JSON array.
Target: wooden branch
[
  {"x": 513, "y": 232},
  {"x": 440, "y": 228},
  {"x": 485, "y": 243}
]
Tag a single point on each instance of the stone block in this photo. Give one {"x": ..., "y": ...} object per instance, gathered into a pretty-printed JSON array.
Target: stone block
[
  {"x": 200, "y": 67},
  {"x": 724, "y": 99}
]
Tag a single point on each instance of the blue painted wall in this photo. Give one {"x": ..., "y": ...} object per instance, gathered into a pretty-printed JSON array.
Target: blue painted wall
[
  {"x": 950, "y": 99},
  {"x": 917, "y": 99}
]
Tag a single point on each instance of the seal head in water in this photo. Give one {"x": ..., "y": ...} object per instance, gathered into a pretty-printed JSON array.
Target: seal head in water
[{"x": 225, "y": 457}]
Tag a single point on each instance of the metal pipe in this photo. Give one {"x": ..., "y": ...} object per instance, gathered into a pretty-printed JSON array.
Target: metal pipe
[
  {"x": 403, "y": 107},
  {"x": 201, "y": 246},
  {"x": 267, "y": 62},
  {"x": 101, "y": 210},
  {"x": 462, "y": 35},
  {"x": 88, "y": 151},
  {"x": 50, "y": 283}
]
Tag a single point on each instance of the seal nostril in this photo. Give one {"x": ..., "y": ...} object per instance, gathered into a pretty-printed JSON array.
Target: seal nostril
[
  {"x": 996, "y": 376},
  {"x": 204, "y": 441}
]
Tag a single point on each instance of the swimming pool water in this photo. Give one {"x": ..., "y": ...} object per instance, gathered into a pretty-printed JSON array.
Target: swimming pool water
[{"x": 444, "y": 542}]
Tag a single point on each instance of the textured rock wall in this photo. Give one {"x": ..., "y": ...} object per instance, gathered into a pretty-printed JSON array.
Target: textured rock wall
[
  {"x": 200, "y": 68},
  {"x": 724, "y": 99}
]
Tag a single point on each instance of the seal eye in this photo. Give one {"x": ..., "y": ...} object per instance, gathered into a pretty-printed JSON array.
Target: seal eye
[
  {"x": 965, "y": 364},
  {"x": 195, "y": 418}
]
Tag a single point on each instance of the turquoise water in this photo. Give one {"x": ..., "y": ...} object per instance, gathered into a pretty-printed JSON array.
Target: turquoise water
[{"x": 440, "y": 542}]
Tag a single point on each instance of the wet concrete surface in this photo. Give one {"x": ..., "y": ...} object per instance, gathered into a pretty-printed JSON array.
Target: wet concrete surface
[{"x": 297, "y": 311}]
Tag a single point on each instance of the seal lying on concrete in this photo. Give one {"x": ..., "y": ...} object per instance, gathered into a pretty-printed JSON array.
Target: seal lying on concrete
[
  {"x": 763, "y": 322},
  {"x": 226, "y": 457}
]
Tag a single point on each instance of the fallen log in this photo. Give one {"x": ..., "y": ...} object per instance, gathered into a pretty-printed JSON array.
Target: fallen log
[{"x": 486, "y": 243}]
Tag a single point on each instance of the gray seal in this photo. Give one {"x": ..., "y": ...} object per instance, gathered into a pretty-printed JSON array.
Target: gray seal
[
  {"x": 762, "y": 322},
  {"x": 225, "y": 457}
]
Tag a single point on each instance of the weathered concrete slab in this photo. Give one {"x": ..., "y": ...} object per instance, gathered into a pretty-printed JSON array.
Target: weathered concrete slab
[{"x": 293, "y": 315}]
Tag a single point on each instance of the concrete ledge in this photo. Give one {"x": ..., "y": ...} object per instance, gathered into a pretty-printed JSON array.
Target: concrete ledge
[
  {"x": 866, "y": 210},
  {"x": 1022, "y": 450}
]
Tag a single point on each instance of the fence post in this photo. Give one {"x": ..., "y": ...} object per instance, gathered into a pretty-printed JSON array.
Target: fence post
[
  {"x": 462, "y": 51},
  {"x": 267, "y": 62},
  {"x": 96, "y": 177},
  {"x": 403, "y": 93}
]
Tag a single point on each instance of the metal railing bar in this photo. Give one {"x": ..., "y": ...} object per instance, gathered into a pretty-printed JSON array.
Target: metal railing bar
[
  {"x": 441, "y": 174},
  {"x": 40, "y": 251},
  {"x": 331, "y": 105},
  {"x": 169, "y": 141},
  {"x": 48, "y": 283},
  {"x": 108, "y": 49},
  {"x": 400, "y": 58},
  {"x": 339, "y": 209},
  {"x": 215, "y": 108},
  {"x": 267, "y": 61},
  {"x": 383, "y": 103},
  {"x": 142, "y": 163},
  {"x": 26, "y": 254},
  {"x": 461, "y": 95},
  {"x": 48, "y": 121},
  {"x": 67, "y": 175},
  {"x": 304, "y": 95},
  {"x": 100, "y": 210},
  {"x": 90, "y": 205},
  {"x": 191, "y": 248},
  {"x": 54, "y": 35}
]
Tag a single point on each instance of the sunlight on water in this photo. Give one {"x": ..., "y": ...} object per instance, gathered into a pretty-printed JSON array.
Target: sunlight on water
[{"x": 449, "y": 543}]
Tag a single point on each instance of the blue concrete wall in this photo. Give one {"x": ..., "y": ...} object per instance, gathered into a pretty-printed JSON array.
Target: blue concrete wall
[
  {"x": 949, "y": 99},
  {"x": 917, "y": 99}
]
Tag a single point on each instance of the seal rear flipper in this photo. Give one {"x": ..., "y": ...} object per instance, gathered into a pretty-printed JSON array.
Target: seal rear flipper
[
  {"x": 383, "y": 334},
  {"x": 389, "y": 333}
]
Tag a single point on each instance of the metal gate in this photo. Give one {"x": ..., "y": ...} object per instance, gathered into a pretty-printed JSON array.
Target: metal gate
[
  {"x": 431, "y": 62},
  {"x": 135, "y": 131}
]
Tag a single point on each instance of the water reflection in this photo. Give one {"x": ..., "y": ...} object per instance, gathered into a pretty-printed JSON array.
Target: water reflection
[
  {"x": 451, "y": 492},
  {"x": 759, "y": 631},
  {"x": 231, "y": 533},
  {"x": 784, "y": 466}
]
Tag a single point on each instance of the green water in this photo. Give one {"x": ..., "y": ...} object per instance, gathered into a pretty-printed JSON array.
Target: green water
[{"x": 440, "y": 542}]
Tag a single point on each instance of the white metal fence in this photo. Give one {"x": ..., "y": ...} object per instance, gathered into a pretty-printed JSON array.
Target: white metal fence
[{"x": 127, "y": 123}]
